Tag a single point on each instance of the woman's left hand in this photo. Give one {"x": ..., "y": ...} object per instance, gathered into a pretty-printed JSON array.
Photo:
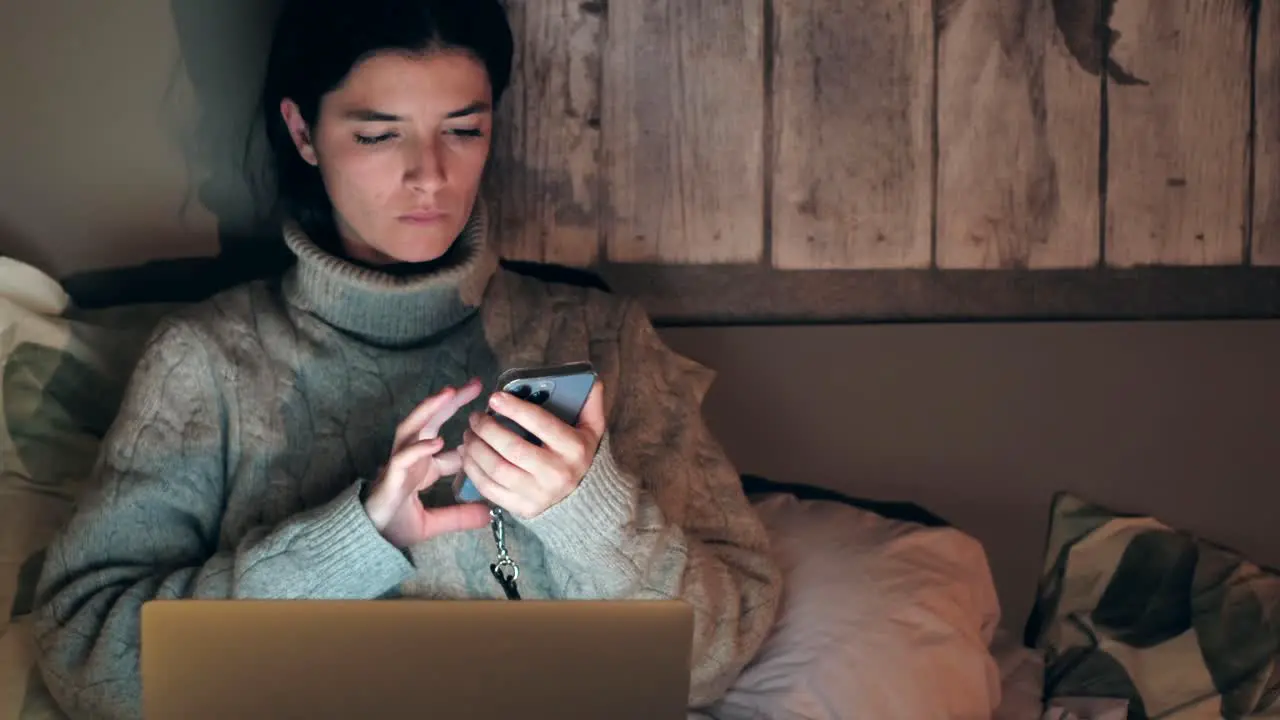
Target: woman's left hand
[{"x": 519, "y": 476}]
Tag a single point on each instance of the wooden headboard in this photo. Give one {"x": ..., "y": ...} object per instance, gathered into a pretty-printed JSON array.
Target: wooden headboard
[
  {"x": 731, "y": 160},
  {"x": 845, "y": 160}
]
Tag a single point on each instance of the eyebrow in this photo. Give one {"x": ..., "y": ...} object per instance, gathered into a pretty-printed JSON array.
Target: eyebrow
[
  {"x": 474, "y": 108},
  {"x": 365, "y": 115}
]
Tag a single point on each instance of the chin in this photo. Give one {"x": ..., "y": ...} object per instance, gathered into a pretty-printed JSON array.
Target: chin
[{"x": 419, "y": 248}]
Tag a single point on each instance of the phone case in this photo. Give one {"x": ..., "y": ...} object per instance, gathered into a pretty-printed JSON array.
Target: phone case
[{"x": 566, "y": 388}]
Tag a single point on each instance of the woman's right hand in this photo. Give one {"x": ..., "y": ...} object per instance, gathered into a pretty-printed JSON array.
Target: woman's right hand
[{"x": 416, "y": 463}]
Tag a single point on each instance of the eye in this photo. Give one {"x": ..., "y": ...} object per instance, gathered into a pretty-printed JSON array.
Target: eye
[
  {"x": 467, "y": 132},
  {"x": 375, "y": 139}
]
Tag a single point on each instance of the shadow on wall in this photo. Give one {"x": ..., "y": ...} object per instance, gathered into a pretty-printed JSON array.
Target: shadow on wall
[
  {"x": 13, "y": 244},
  {"x": 222, "y": 52},
  {"x": 223, "y": 49}
]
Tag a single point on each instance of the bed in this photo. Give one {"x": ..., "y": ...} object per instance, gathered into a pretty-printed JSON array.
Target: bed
[{"x": 899, "y": 602}]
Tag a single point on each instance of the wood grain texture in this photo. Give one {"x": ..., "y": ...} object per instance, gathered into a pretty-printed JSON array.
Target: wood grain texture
[
  {"x": 544, "y": 181},
  {"x": 1266, "y": 152},
  {"x": 1178, "y": 111},
  {"x": 1019, "y": 126},
  {"x": 683, "y": 131},
  {"x": 853, "y": 142}
]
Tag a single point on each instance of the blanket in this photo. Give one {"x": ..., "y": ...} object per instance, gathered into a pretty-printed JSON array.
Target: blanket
[{"x": 62, "y": 371}]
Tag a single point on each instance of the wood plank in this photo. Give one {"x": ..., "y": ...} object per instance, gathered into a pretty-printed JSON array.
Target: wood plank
[
  {"x": 1266, "y": 188},
  {"x": 1178, "y": 104},
  {"x": 735, "y": 294},
  {"x": 544, "y": 181},
  {"x": 742, "y": 294},
  {"x": 853, "y": 148},
  {"x": 683, "y": 131},
  {"x": 1019, "y": 126}
]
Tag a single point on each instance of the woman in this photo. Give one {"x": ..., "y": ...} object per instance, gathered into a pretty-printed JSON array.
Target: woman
[{"x": 274, "y": 439}]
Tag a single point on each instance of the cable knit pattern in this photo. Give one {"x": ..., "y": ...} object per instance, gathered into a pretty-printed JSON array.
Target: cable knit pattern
[{"x": 254, "y": 419}]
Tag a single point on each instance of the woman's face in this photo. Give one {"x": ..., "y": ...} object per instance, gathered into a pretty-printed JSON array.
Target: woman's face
[{"x": 401, "y": 146}]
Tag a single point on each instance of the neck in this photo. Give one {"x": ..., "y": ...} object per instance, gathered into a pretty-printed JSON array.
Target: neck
[{"x": 396, "y": 304}]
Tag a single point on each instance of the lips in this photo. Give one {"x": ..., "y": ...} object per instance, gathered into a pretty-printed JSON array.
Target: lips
[{"x": 422, "y": 216}]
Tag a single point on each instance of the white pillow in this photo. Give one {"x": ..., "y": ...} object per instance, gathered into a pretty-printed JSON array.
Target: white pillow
[{"x": 880, "y": 619}]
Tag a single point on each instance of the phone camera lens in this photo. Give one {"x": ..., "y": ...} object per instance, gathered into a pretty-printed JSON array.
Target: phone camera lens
[
  {"x": 539, "y": 397},
  {"x": 521, "y": 391}
]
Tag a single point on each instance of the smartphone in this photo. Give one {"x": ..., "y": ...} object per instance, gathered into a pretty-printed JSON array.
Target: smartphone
[{"x": 561, "y": 389}]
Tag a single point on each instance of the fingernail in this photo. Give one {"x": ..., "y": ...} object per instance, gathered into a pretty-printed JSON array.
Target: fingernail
[{"x": 497, "y": 399}]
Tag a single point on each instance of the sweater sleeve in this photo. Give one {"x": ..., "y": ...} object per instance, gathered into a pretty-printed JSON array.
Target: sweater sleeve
[
  {"x": 661, "y": 514},
  {"x": 151, "y": 530}
]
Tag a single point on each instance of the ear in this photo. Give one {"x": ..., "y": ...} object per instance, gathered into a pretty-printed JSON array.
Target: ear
[{"x": 298, "y": 130}]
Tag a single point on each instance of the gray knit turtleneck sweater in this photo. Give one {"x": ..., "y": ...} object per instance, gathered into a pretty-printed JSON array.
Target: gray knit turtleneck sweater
[{"x": 254, "y": 419}]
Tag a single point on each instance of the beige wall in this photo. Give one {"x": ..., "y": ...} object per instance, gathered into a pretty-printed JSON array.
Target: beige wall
[
  {"x": 116, "y": 148},
  {"x": 982, "y": 423}
]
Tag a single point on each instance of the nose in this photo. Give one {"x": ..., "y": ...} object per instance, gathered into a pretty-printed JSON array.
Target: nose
[{"x": 424, "y": 166}]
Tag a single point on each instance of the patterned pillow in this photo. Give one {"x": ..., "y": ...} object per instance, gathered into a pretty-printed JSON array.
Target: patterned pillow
[
  {"x": 61, "y": 376},
  {"x": 1131, "y": 608}
]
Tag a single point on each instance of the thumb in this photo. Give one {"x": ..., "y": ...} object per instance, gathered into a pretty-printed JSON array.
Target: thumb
[
  {"x": 455, "y": 518},
  {"x": 592, "y": 417},
  {"x": 448, "y": 462}
]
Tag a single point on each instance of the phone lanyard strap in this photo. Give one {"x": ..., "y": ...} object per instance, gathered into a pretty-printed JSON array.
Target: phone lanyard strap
[{"x": 505, "y": 570}]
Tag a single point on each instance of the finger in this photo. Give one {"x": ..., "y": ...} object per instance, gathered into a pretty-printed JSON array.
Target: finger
[
  {"x": 425, "y": 420},
  {"x": 465, "y": 395},
  {"x": 491, "y": 490},
  {"x": 448, "y": 462},
  {"x": 592, "y": 418},
  {"x": 455, "y": 518},
  {"x": 504, "y": 445},
  {"x": 442, "y": 465},
  {"x": 425, "y": 476},
  {"x": 474, "y": 472},
  {"x": 494, "y": 464},
  {"x": 411, "y": 426},
  {"x": 400, "y": 467},
  {"x": 551, "y": 430}
]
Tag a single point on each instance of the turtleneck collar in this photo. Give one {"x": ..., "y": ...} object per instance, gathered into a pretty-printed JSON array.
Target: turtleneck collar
[{"x": 391, "y": 308}]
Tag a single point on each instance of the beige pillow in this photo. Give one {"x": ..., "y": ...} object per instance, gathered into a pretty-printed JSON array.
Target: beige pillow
[{"x": 880, "y": 618}]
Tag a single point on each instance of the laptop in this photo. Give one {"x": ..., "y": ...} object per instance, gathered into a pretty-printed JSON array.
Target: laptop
[{"x": 483, "y": 660}]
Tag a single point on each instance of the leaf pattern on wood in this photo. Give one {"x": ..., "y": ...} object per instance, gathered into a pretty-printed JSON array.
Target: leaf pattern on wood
[
  {"x": 1086, "y": 31},
  {"x": 1088, "y": 35}
]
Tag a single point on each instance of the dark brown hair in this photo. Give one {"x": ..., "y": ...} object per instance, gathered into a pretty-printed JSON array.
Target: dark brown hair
[{"x": 317, "y": 43}]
